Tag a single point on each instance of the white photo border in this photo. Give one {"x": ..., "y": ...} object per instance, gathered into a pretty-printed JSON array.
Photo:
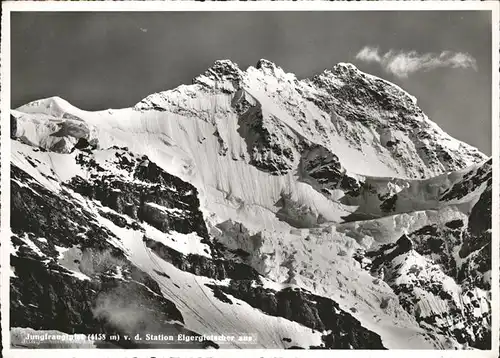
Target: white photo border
[{"x": 157, "y": 6}]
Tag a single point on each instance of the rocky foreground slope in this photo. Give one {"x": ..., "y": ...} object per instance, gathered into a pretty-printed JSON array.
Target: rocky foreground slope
[{"x": 320, "y": 213}]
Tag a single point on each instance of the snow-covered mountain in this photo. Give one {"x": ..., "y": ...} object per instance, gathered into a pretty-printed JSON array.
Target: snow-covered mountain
[{"x": 320, "y": 213}]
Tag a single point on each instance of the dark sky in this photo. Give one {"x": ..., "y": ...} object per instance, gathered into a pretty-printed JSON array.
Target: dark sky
[{"x": 113, "y": 60}]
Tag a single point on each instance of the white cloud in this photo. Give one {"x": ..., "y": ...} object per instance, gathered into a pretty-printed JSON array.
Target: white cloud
[
  {"x": 369, "y": 54},
  {"x": 402, "y": 64}
]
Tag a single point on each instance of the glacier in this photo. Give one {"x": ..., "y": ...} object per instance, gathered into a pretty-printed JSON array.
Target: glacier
[{"x": 328, "y": 212}]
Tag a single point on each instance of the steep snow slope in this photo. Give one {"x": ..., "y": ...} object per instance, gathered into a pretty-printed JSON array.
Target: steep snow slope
[
  {"x": 208, "y": 133},
  {"x": 353, "y": 114},
  {"x": 115, "y": 191},
  {"x": 274, "y": 200}
]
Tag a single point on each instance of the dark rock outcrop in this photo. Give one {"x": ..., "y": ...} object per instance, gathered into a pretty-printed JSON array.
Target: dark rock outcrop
[
  {"x": 318, "y": 313},
  {"x": 47, "y": 296},
  {"x": 218, "y": 269}
]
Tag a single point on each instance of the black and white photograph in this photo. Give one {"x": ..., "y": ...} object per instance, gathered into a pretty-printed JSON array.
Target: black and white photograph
[{"x": 251, "y": 180}]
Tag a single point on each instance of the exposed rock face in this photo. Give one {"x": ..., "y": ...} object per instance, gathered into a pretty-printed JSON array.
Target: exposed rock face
[
  {"x": 441, "y": 275},
  {"x": 318, "y": 313},
  {"x": 367, "y": 113},
  {"x": 324, "y": 168},
  {"x": 90, "y": 297},
  {"x": 269, "y": 150},
  {"x": 327, "y": 213},
  {"x": 361, "y": 99},
  {"x": 156, "y": 197},
  {"x": 470, "y": 182},
  {"x": 218, "y": 269},
  {"x": 13, "y": 127}
]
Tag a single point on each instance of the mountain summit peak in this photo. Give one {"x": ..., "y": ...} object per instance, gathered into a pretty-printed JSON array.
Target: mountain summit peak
[
  {"x": 263, "y": 63},
  {"x": 371, "y": 114},
  {"x": 55, "y": 106},
  {"x": 220, "y": 71},
  {"x": 225, "y": 67},
  {"x": 345, "y": 66}
]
